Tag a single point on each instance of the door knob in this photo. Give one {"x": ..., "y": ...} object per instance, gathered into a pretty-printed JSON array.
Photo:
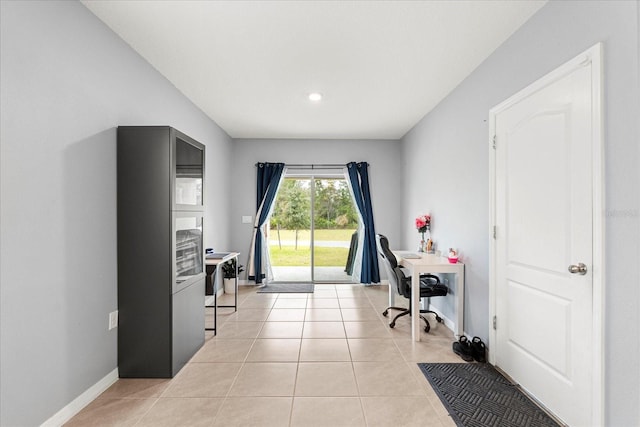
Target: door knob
[{"x": 578, "y": 269}]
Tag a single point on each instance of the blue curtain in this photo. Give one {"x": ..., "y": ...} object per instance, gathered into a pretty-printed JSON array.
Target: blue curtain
[
  {"x": 268, "y": 178},
  {"x": 359, "y": 178}
]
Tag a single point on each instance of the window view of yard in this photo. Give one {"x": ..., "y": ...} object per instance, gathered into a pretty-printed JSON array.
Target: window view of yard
[{"x": 290, "y": 234}]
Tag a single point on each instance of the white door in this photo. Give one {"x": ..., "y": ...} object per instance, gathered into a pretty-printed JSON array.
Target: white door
[{"x": 544, "y": 204}]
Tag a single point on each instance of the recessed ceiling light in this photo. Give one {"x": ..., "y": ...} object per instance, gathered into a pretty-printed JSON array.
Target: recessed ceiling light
[{"x": 315, "y": 96}]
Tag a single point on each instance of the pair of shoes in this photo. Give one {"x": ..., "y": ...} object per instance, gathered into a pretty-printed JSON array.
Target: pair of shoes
[
  {"x": 463, "y": 349},
  {"x": 478, "y": 350}
]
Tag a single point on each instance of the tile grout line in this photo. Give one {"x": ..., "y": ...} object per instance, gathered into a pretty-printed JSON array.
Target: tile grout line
[
  {"x": 353, "y": 369},
  {"x": 147, "y": 411},
  {"x": 235, "y": 378}
]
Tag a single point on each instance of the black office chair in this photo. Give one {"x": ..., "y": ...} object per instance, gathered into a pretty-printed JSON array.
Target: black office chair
[{"x": 429, "y": 284}]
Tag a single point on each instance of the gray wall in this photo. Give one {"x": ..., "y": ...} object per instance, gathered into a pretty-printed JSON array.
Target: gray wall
[
  {"x": 67, "y": 82},
  {"x": 385, "y": 177},
  {"x": 452, "y": 144}
]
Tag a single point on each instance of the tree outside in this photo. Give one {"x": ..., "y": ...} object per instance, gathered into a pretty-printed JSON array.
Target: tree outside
[
  {"x": 334, "y": 208},
  {"x": 292, "y": 208}
]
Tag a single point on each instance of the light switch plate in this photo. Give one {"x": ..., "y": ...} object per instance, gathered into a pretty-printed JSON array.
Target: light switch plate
[
  {"x": 113, "y": 319},
  {"x": 247, "y": 219}
]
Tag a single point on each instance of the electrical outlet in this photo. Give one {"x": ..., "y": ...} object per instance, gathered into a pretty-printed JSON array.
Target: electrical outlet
[
  {"x": 247, "y": 219},
  {"x": 113, "y": 319}
]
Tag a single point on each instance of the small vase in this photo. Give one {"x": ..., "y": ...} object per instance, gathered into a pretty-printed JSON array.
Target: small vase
[
  {"x": 421, "y": 247},
  {"x": 229, "y": 285}
]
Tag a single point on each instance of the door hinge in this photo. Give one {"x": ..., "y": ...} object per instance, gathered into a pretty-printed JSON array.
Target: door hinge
[
  {"x": 494, "y": 323},
  {"x": 494, "y": 142},
  {"x": 494, "y": 232}
]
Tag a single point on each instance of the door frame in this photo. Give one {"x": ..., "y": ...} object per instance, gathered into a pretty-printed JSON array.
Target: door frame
[{"x": 591, "y": 57}]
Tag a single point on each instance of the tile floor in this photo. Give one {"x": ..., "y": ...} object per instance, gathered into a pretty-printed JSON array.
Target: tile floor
[{"x": 322, "y": 359}]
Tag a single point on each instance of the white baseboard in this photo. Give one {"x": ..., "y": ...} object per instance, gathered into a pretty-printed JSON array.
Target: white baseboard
[
  {"x": 447, "y": 322},
  {"x": 77, "y": 404}
]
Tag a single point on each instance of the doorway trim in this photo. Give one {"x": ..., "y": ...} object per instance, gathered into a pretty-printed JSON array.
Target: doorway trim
[{"x": 591, "y": 57}]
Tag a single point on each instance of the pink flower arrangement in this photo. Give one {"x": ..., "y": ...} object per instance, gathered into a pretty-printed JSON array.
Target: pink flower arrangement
[{"x": 423, "y": 222}]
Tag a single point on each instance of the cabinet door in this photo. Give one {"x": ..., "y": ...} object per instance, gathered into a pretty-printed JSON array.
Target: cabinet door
[
  {"x": 189, "y": 256},
  {"x": 188, "y": 323},
  {"x": 188, "y": 173}
]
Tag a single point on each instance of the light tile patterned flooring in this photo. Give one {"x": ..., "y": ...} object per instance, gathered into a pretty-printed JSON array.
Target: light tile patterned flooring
[{"x": 323, "y": 359}]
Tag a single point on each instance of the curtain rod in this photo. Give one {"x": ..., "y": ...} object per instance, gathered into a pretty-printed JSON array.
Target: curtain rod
[
  {"x": 314, "y": 166},
  {"x": 319, "y": 166}
]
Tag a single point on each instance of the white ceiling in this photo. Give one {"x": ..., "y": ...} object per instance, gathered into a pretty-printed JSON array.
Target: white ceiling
[{"x": 250, "y": 65}]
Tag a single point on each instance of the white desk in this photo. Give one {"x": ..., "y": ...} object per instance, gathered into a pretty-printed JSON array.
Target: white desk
[
  {"x": 216, "y": 262},
  {"x": 433, "y": 264}
]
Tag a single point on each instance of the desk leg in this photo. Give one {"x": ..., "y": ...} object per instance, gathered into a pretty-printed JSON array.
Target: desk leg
[
  {"x": 392, "y": 296},
  {"x": 415, "y": 305},
  {"x": 215, "y": 313},
  {"x": 459, "y": 304},
  {"x": 236, "y": 286}
]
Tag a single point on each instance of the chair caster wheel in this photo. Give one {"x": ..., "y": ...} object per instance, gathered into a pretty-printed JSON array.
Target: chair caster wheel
[
  {"x": 392, "y": 324},
  {"x": 385, "y": 313},
  {"x": 439, "y": 319},
  {"x": 427, "y": 328}
]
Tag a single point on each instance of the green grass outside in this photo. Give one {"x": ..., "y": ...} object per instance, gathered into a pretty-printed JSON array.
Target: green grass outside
[
  {"x": 337, "y": 235},
  {"x": 288, "y": 256}
]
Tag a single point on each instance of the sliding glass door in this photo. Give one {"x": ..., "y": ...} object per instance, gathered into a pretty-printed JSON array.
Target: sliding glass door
[
  {"x": 311, "y": 231},
  {"x": 334, "y": 223},
  {"x": 289, "y": 235}
]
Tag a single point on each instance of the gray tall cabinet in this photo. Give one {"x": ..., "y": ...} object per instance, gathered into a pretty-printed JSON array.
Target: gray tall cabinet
[{"x": 161, "y": 279}]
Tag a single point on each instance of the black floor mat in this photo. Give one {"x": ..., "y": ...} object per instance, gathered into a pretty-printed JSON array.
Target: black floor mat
[{"x": 476, "y": 395}]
